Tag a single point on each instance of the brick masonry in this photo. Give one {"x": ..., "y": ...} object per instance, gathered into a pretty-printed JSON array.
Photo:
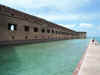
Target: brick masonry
[{"x": 14, "y": 17}]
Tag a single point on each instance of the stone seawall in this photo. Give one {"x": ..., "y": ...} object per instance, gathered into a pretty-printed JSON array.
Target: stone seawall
[
  {"x": 76, "y": 71},
  {"x": 17, "y": 42},
  {"x": 16, "y": 25},
  {"x": 90, "y": 63}
]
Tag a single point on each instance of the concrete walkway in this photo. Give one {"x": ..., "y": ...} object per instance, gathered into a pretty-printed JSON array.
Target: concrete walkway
[{"x": 91, "y": 61}]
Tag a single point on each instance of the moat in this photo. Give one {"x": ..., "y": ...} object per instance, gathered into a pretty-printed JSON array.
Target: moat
[{"x": 51, "y": 58}]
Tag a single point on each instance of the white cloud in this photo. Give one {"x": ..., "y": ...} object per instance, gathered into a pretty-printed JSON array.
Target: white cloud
[
  {"x": 85, "y": 25},
  {"x": 63, "y": 6},
  {"x": 60, "y": 10},
  {"x": 59, "y": 17},
  {"x": 64, "y": 17},
  {"x": 60, "y": 5},
  {"x": 71, "y": 26}
]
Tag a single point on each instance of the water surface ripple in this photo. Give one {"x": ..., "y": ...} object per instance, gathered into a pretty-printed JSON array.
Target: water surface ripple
[{"x": 52, "y": 58}]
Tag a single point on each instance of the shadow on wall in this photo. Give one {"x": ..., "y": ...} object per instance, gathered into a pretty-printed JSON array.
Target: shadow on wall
[{"x": 9, "y": 61}]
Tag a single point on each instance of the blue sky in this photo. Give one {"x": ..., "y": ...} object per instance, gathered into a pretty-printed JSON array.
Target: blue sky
[{"x": 80, "y": 15}]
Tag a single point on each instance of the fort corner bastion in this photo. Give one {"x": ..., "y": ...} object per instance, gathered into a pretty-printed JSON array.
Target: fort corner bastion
[{"x": 17, "y": 27}]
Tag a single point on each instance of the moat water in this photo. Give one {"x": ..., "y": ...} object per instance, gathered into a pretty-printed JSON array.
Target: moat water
[{"x": 52, "y": 58}]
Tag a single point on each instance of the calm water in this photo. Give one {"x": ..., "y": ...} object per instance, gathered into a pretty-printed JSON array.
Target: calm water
[
  {"x": 52, "y": 58},
  {"x": 98, "y": 39}
]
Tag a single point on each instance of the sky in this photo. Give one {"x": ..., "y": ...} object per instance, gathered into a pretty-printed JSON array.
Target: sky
[{"x": 79, "y": 15}]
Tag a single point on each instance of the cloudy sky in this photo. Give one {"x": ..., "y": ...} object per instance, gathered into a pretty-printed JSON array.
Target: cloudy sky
[{"x": 80, "y": 15}]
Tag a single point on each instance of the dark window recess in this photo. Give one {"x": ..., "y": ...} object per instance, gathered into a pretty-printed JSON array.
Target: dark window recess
[
  {"x": 35, "y": 29},
  {"x": 26, "y": 28},
  {"x": 12, "y": 27},
  {"x": 43, "y": 30},
  {"x": 12, "y": 14},
  {"x": 52, "y": 31},
  {"x": 48, "y": 31},
  {"x": 26, "y": 37},
  {"x": 0, "y": 9},
  {"x": 13, "y": 37}
]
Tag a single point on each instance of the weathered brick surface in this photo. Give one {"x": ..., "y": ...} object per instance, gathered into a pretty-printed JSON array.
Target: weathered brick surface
[{"x": 21, "y": 19}]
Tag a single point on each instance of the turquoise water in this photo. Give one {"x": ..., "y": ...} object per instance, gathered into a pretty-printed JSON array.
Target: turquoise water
[
  {"x": 52, "y": 58},
  {"x": 98, "y": 39}
]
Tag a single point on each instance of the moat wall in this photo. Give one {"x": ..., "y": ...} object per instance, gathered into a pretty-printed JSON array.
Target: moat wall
[{"x": 19, "y": 27}]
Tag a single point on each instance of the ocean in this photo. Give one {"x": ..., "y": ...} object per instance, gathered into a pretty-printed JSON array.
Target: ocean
[{"x": 50, "y": 58}]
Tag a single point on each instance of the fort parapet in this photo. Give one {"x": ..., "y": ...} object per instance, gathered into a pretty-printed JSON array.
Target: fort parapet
[{"x": 18, "y": 27}]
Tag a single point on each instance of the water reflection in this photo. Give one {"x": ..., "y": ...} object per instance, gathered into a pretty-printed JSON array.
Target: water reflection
[{"x": 8, "y": 60}]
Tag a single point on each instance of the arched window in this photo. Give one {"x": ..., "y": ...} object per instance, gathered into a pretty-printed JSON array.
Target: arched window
[
  {"x": 35, "y": 29},
  {"x": 26, "y": 28},
  {"x": 52, "y": 31},
  {"x": 43, "y": 30},
  {"x": 0, "y": 9},
  {"x": 12, "y": 27}
]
